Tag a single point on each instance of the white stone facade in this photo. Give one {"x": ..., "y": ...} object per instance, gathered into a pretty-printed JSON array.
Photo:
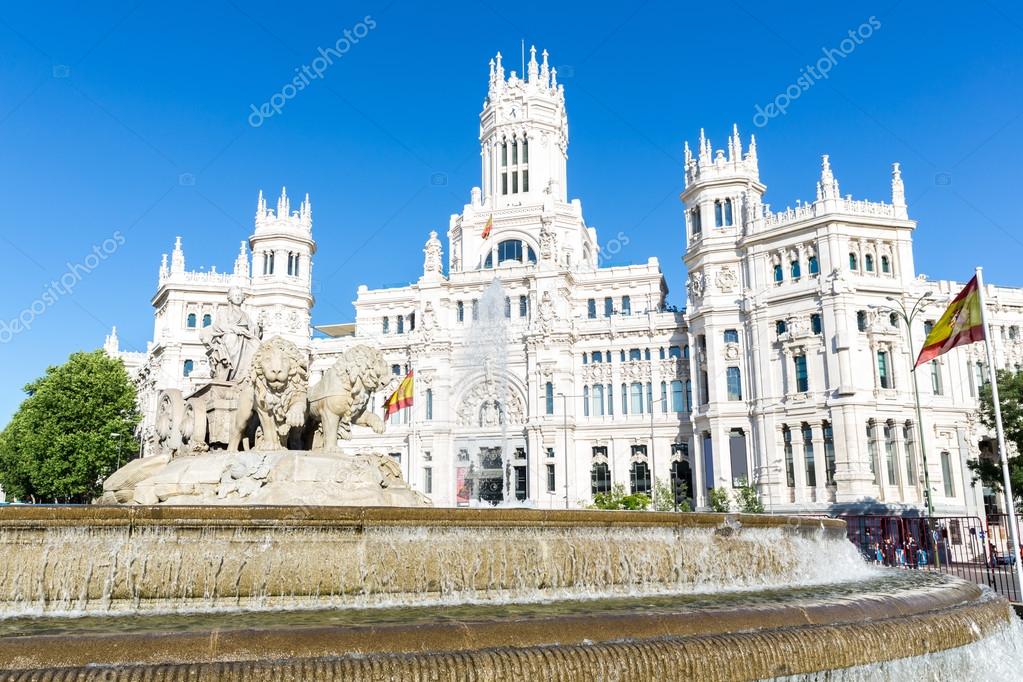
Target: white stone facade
[{"x": 797, "y": 379}]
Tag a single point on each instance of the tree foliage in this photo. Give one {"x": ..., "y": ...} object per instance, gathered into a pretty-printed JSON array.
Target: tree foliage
[
  {"x": 1010, "y": 397},
  {"x": 58, "y": 446},
  {"x": 748, "y": 499},
  {"x": 719, "y": 500},
  {"x": 664, "y": 496},
  {"x": 617, "y": 499}
]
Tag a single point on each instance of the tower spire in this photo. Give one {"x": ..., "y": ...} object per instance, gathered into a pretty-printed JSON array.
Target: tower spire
[
  {"x": 533, "y": 70},
  {"x": 898, "y": 192},
  {"x": 827, "y": 188},
  {"x": 500, "y": 69},
  {"x": 177, "y": 257},
  {"x": 545, "y": 71}
]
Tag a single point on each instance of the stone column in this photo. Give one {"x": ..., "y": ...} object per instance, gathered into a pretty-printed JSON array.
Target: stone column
[{"x": 820, "y": 463}]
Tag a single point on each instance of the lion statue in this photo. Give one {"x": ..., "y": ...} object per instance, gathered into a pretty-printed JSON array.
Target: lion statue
[
  {"x": 279, "y": 375},
  {"x": 341, "y": 397}
]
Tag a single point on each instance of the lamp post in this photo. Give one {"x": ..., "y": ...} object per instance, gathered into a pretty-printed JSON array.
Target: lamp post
[
  {"x": 120, "y": 441},
  {"x": 907, "y": 316},
  {"x": 564, "y": 428}
]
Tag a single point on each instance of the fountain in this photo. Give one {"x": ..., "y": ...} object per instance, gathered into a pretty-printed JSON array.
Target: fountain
[{"x": 253, "y": 552}]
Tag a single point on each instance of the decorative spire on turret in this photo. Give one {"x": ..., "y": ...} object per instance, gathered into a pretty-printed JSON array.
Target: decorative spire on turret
[
  {"x": 898, "y": 192},
  {"x": 241, "y": 263},
  {"x": 687, "y": 152},
  {"x": 177, "y": 257},
  {"x": 734, "y": 145},
  {"x": 752, "y": 153},
  {"x": 283, "y": 204},
  {"x": 532, "y": 69},
  {"x": 705, "y": 152},
  {"x": 164, "y": 271},
  {"x": 827, "y": 188},
  {"x": 260, "y": 206},
  {"x": 500, "y": 68},
  {"x": 305, "y": 212},
  {"x": 545, "y": 71},
  {"x": 493, "y": 74},
  {"x": 111, "y": 345},
  {"x": 554, "y": 78}
]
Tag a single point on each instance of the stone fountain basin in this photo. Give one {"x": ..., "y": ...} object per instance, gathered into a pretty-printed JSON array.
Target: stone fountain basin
[{"x": 737, "y": 636}]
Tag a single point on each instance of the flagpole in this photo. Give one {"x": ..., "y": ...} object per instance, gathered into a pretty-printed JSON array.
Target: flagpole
[{"x": 1010, "y": 506}]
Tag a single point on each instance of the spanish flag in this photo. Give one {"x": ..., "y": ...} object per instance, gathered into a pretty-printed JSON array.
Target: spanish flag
[
  {"x": 962, "y": 323},
  {"x": 489, "y": 226},
  {"x": 401, "y": 398}
]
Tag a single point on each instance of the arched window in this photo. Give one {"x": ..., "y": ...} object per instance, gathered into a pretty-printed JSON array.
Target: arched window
[
  {"x": 778, "y": 273},
  {"x": 548, "y": 395},
  {"x": 509, "y": 250},
  {"x": 600, "y": 478},
  {"x": 861, "y": 320},
  {"x": 795, "y": 270},
  {"x": 677, "y": 397},
  {"x": 719, "y": 214},
  {"x": 489, "y": 262},
  {"x": 207, "y": 320},
  {"x": 886, "y": 266},
  {"x": 187, "y": 367},
  {"x": 728, "y": 212},
  {"x": 401, "y": 324},
  {"x": 626, "y": 305},
  {"x": 868, "y": 262},
  {"x": 694, "y": 220},
  {"x": 460, "y": 311},
  {"x": 790, "y": 469},
  {"x": 639, "y": 477},
  {"x": 190, "y": 321},
  {"x": 813, "y": 266},
  {"x": 598, "y": 356},
  {"x": 816, "y": 326},
  {"x": 386, "y": 328},
  {"x": 531, "y": 255},
  {"x": 780, "y": 327},
  {"x": 681, "y": 480},
  {"x": 853, "y": 262}
]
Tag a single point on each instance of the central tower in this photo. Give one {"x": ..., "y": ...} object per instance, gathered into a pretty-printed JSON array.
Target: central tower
[{"x": 523, "y": 135}]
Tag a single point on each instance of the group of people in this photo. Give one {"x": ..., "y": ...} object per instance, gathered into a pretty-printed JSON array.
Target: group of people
[{"x": 906, "y": 553}]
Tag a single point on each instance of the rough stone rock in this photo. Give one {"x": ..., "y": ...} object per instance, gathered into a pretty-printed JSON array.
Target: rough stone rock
[{"x": 281, "y": 477}]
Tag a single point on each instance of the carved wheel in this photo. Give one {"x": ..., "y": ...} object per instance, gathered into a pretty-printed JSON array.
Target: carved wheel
[
  {"x": 193, "y": 424},
  {"x": 170, "y": 409}
]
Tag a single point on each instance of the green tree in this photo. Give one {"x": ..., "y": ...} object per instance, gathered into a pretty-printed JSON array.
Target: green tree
[
  {"x": 664, "y": 496},
  {"x": 1010, "y": 395},
  {"x": 617, "y": 499},
  {"x": 58, "y": 447},
  {"x": 748, "y": 499},
  {"x": 719, "y": 501}
]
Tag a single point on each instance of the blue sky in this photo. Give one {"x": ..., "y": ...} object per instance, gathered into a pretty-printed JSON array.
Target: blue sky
[{"x": 132, "y": 118}]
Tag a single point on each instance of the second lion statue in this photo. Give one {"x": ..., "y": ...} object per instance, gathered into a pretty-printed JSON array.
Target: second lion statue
[{"x": 341, "y": 397}]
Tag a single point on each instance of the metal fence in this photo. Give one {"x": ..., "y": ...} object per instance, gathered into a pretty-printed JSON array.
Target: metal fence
[{"x": 960, "y": 545}]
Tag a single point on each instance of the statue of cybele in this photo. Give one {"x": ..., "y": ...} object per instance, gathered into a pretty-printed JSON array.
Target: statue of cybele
[{"x": 231, "y": 340}]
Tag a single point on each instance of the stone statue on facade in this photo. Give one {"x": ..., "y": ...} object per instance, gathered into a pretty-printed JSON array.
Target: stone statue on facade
[
  {"x": 432, "y": 256},
  {"x": 231, "y": 340}
]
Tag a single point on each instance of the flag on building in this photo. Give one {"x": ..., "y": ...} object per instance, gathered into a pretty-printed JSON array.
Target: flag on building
[
  {"x": 401, "y": 398},
  {"x": 962, "y": 323},
  {"x": 489, "y": 226}
]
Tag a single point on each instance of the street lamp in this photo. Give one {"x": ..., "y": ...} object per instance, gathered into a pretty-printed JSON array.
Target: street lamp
[
  {"x": 120, "y": 441},
  {"x": 907, "y": 316}
]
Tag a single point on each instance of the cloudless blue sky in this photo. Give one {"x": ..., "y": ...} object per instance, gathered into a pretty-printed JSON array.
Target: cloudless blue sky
[{"x": 132, "y": 116}]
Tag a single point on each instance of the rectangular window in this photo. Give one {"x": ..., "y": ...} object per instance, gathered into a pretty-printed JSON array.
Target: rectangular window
[
  {"x": 816, "y": 326},
  {"x": 609, "y": 306},
  {"x": 635, "y": 354},
  {"x": 935, "y": 377},
  {"x": 504, "y": 154},
  {"x": 689, "y": 396},
  {"x": 521, "y": 491},
  {"x": 504, "y": 183},
  {"x": 429, "y": 404},
  {"x": 525, "y": 151},
  {"x": 790, "y": 469},
  {"x": 625, "y": 399},
  {"x": 734, "y": 383},
  {"x": 872, "y": 450},
  {"x": 677, "y": 397},
  {"x": 428, "y": 480},
  {"x": 475, "y": 310},
  {"x": 551, "y": 481},
  {"x": 525, "y": 181},
  {"x": 523, "y": 306},
  {"x": 637, "y": 398},
  {"x": 802, "y": 378},
  {"x": 586, "y": 401},
  {"x": 731, "y": 336},
  {"x": 808, "y": 456},
  {"x": 460, "y": 308},
  {"x": 387, "y": 325},
  {"x": 610, "y": 401},
  {"x": 829, "y": 452},
  {"x": 626, "y": 305},
  {"x": 664, "y": 397},
  {"x": 649, "y": 397},
  {"x": 515, "y": 182},
  {"x": 946, "y": 474},
  {"x": 549, "y": 397},
  {"x": 889, "y": 451},
  {"x": 515, "y": 152},
  {"x": 907, "y": 438},
  {"x": 704, "y": 393},
  {"x": 591, "y": 308},
  {"x": 883, "y": 372}
]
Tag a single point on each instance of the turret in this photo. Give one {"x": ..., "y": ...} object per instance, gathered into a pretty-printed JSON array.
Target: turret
[{"x": 898, "y": 192}]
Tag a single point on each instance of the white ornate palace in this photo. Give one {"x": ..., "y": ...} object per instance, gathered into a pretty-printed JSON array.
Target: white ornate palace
[{"x": 785, "y": 369}]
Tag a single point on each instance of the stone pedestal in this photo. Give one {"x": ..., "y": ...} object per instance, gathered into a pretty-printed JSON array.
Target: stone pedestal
[{"x": 281, "y": 477}]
